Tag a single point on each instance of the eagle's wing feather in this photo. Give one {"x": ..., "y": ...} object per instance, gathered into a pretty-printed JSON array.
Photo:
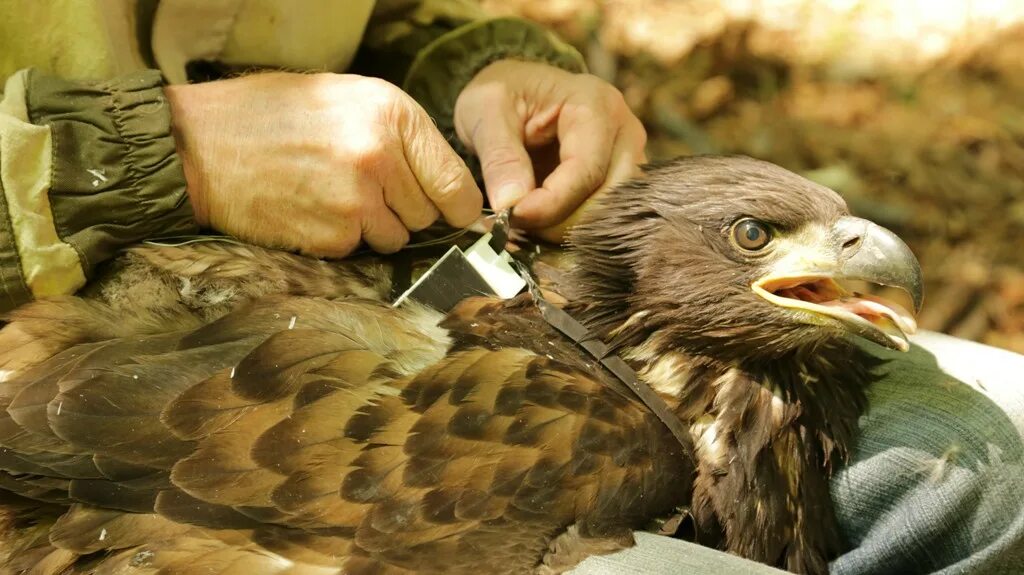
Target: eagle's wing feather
[{"x": 336, "y": 433}]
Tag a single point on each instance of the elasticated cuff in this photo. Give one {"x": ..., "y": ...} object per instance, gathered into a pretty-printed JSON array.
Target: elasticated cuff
[
  {"x": 14, "y": 291},
  {"x": 116, "y": 176},
  {"x": 445, "y": 66}
]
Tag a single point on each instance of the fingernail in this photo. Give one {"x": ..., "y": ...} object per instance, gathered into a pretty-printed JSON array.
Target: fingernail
[{"x": 508, "y": 195}]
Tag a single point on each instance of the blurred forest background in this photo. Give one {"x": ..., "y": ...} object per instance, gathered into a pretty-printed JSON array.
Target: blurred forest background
[{"x": 913, "y": 110}]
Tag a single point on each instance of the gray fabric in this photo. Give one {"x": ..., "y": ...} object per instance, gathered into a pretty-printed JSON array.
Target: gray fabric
[
  {"x": 936, "y": 481},
  {"x": 656, "y": 554},
  {"x": 935, "y": 484}
]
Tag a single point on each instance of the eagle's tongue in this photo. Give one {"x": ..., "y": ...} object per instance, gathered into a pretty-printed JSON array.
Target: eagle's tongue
[{"x": 889, "y": 316}]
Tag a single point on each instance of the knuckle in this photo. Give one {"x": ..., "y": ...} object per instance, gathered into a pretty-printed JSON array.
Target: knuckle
[
  {"x": 335, "y": 247},
  {"x": 402, "y": 117},
  {"x": 346, "y": 209},
  {"x": 449, "y": 182},
  {"x": 388, "y": 97},
  {"x": 586, "y": 79},
  {"x": 595, "y": 84},
  {"x": 614, "y": 100},
  {"x": 402, "y": 240},
  {"x": 393, "y": 244},
  {"x": 369, "y": 155},
  {"x": 396, "y": 108},
  {"x": 386, "y": 102},
  {"x": 488, "y": 94},
  {"x": 388, "y": 241},
  {"x": 604, "y": 94},
  {"x": 422, "y": 219},
  {"x": 378, "y": 88},
  {"x": 370, "y": 161},
  {"x": 325, "y": 81}
]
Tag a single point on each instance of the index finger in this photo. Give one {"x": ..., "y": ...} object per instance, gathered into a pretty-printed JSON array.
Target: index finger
[
  {"x": 585, "y": 150},
  {"x": 627, "y": 156},
  {"x": 442, "y": 174}
]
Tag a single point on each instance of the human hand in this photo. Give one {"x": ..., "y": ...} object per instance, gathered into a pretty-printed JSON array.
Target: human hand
[
  {"x": 531, "y": 123},
  {"x": 317, "y": 163}
]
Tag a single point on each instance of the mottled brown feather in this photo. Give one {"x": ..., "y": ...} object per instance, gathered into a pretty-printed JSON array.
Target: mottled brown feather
[{"x": 239, "y": 410}]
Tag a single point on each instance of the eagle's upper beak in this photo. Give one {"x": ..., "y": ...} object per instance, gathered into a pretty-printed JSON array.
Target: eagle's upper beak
[{"x": 806, "y": 277}]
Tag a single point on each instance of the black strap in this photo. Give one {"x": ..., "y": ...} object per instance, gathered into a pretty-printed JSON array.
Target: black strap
[
  {"x": 633, "y": 387},
  {"x": 401, "y": 275},
  {"x": 499, "y": 232}
]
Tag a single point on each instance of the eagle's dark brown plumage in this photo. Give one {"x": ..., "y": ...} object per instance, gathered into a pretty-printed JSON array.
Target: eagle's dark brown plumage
[{"x": 220, "y": 408}]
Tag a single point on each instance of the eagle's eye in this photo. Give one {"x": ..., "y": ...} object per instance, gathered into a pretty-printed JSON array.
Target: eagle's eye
[{"x": 750, "y": 234}]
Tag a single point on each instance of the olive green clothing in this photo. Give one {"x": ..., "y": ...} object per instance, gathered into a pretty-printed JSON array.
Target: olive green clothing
[
  {"x": 87, "y": 159},
  {"x": 111, "y": 178}
]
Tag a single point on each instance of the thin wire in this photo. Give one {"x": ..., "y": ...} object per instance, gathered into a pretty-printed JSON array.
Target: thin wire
[
  {"x": 188, "y": 240},
  {"x": 168, "y": 243}
]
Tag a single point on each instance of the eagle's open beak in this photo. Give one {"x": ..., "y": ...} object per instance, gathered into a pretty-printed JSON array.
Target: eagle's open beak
[{"x": 807, "y": 276}]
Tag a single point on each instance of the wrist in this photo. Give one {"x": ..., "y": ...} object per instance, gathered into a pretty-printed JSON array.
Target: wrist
[{"x": 183, "y": 118}]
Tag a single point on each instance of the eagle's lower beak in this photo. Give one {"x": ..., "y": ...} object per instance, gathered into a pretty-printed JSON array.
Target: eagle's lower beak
[{"x": 805, "y": 279}]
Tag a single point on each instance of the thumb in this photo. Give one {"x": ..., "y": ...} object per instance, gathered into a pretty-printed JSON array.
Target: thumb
[{"x": 506, "y": 166}]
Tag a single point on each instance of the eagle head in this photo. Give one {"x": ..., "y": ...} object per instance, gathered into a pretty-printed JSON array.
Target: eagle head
[{"x": 736, "y": 258}]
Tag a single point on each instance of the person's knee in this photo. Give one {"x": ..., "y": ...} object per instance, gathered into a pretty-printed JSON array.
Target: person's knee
[{"x": 934, "y": 478}]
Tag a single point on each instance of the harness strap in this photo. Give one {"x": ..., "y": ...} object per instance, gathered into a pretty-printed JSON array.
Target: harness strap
[{"x": 632, "y": 387}]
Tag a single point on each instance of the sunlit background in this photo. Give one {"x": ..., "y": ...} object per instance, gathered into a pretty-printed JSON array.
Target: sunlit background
[{"x": 912, "y": 109}]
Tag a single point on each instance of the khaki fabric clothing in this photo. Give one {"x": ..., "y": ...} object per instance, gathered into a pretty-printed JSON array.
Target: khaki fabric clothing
[
  {"x": 87, "y": 157},
  {"x": 84, "y": 170}
]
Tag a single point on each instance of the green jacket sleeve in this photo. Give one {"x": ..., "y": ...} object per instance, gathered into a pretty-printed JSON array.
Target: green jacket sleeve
[
  {"x": 85, "y": 169},
  {"x": 433, "y": 49}
]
